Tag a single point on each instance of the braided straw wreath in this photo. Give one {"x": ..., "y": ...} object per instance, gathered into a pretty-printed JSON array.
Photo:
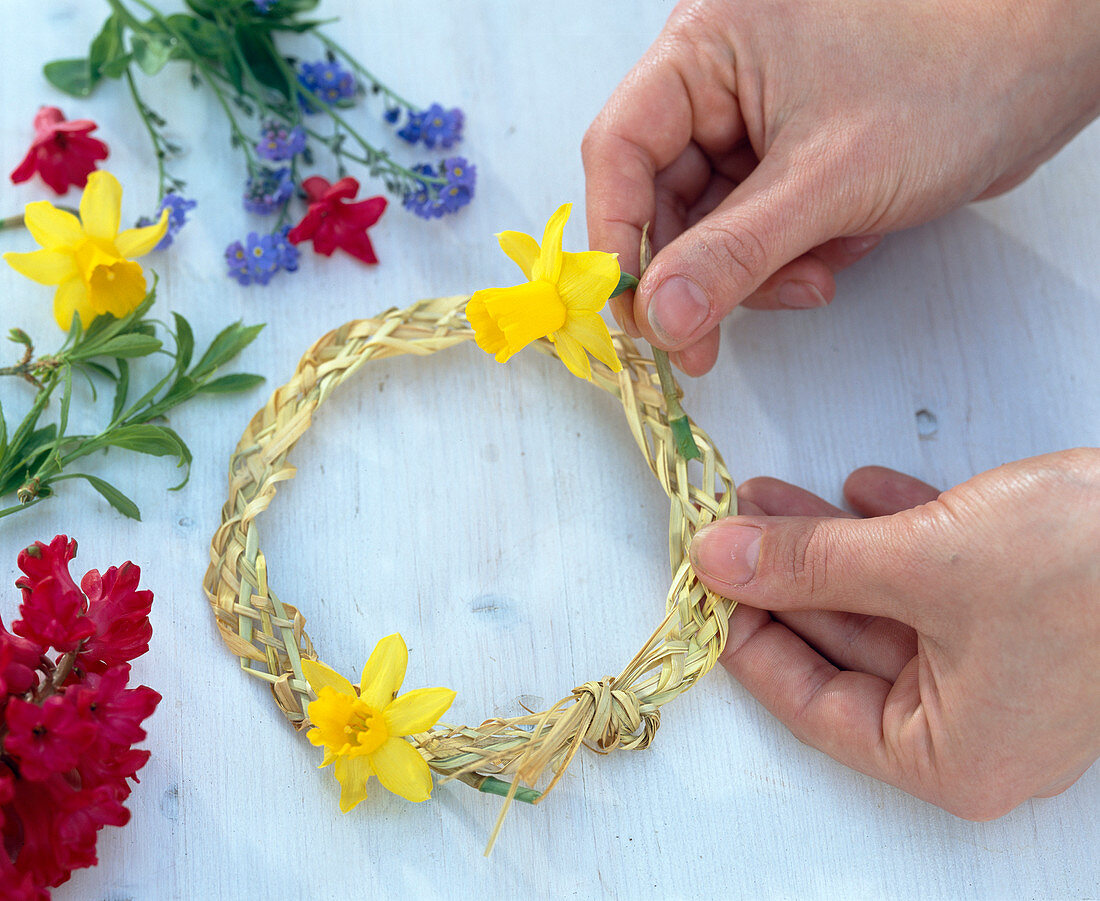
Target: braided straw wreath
[{"x": 622, "y": 711}]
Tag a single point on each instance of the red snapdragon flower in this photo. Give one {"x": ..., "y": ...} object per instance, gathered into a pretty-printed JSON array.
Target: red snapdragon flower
[
  {"x": 68, "y": 719},
  {"x": 62, "y": 152},
  {"x": 46, "y": 738},
  {"x": 120, "y": 614},
  {"x": 330, "y": 222},
  {"x": 53, "y": 606}
]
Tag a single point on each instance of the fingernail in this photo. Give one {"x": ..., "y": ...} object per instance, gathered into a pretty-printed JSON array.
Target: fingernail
[
  {"x": 861, "y": 244},
  {"x": 799, "y": 296},
  {"x": 727, "y": 552},
  {"x": 676, "y": 309}
]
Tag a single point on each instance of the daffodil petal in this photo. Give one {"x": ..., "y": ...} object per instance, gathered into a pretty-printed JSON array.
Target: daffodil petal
[
  {"x": 417, "y": 710},
  {"x": 523, "y": 313},
  {"x": 50, "y": 226},
  {"x": 320, "y": 676},
  {"x": 587, "y": 279},
  {"x": 101, "y": 205},
  {"x": 136, "y": 242},
  {"x": 72, "y": 297},
  {"x": 548, "y": 264},
  {"x": 116, "y": 289},
  {"x": 352, "y": 773},
  {"x": 592, "y": 333},
  {"x": 384, "y": 671},
  {"x": 401, "y": 769},
  {"x": 488, "y": 337},
  {"x": 572, "y": 355},
  {"x": 522, "y": 249},
  {"x": 47, "y": 267}
]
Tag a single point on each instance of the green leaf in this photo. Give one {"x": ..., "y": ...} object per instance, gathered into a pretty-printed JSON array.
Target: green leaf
[
  {"x": 228, "y": 384},
  {"x": 73, "y": 76},
  {"x": 229, "y": 342},
  {"x": 20, "y": 337},
  {"x": 284, "y": 9},
  {"x": 185, "y": 342},
  {"x": 262, "y": 59},
  {"x": 206, "y": 8},
  {"x": 146, "y": 438},
  {"x": 122, "y": 389},
  {"x": 128, "y": 346},
  {"x": 114, "y": 497},
  {"x": 203, "y": 37},
  {"x": 151, "y": 53},
  {"x": 107, "y": 57}
]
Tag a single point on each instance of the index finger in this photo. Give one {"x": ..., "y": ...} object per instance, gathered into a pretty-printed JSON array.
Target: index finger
[{"x": 644, "y": 127}]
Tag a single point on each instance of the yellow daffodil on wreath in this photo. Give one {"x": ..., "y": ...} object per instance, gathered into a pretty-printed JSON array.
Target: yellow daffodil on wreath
[
  {"x": 88, "y": 258},
  {"x": 561, "y": 300},
  {"x": 362, "y": 729}
]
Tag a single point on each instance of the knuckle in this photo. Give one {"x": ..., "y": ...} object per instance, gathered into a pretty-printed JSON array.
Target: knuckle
[
  {"x": 732, "y": 246},
  {"x": 804, "y": 555}
]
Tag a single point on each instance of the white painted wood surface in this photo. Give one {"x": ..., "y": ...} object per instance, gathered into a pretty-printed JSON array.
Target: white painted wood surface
[{"x": 501, "y": 519}]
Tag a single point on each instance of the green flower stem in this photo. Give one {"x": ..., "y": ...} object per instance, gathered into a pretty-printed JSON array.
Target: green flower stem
[
  {"x": 493, "y": 786},
  {"x": 335, "y": 48},
  {"x": 159, "y": 150},
  {"x": 376, "y": 160},
  {"x": 16, "y": 508},
  {"x": 204, "y": 71},
  {"x": 12, "y": 222},
  {"x": 677, "y": 418}
]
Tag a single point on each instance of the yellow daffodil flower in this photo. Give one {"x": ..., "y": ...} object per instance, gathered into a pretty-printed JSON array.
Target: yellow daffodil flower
[
  {"x": 88, "y": 258},
  {"x": 360, "y": 729},
  {"x": 561, "y": 298}
]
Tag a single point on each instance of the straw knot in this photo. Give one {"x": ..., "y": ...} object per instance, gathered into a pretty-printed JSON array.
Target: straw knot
[{"x": 619, "y": 717}]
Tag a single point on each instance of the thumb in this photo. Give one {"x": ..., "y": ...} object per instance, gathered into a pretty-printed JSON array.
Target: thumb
[
  {"x": 774, "y": 216},
  {"x": 869, "y": 566}
]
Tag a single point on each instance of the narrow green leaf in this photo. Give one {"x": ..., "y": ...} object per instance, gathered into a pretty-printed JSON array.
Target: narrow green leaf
[
  {"x": 229, "y": 342},
  {"x": 185, "y": 343},
  {"x": 145, "y": 438},
  {"x": 229, "y": 384},
  {"x": 73, "y": 76},
  {"x": 3, "y": 433},
  {"x": 128, "y": 346},
  {"x": 122, "y": 390},
  {"x": 66, "y": 399},
  {"x": 114, "y": 497}
]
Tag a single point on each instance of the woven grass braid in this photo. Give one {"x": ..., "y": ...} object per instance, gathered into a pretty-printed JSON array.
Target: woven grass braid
[{"x": 623, "y": 711}]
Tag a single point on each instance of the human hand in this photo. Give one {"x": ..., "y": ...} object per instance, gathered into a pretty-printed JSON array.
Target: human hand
[
  {"x": 772, "y": 144},
  {"x": 948, "y": 644}
]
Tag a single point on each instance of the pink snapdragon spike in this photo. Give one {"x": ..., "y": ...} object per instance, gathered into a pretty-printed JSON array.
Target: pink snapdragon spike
[
  {"x": 63, "y": 152},
  {"x": 68, "y": 719}
]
